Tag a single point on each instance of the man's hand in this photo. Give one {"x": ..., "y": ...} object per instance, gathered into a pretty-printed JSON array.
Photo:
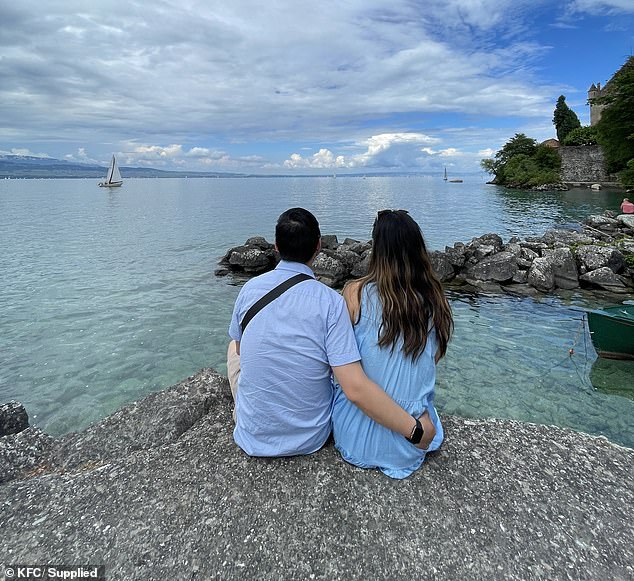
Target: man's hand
[{"x": 429, "y": 431}]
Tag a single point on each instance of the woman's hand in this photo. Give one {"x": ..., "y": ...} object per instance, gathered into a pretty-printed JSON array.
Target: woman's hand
[{"x": 429, "y": 431}]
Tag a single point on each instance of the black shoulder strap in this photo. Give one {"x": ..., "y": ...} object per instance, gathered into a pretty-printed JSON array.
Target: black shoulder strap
[{"x": 271, "y": 296}]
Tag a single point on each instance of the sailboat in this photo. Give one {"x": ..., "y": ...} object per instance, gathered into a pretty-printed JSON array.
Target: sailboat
[
  {"x": 113, "y": 177},
  {"x": 445, "y": 178}
]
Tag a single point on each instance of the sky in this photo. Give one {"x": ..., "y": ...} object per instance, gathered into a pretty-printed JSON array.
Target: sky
[{"x": 297, "y": 87}]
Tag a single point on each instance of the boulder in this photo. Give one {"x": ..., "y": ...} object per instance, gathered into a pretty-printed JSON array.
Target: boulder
[
  {"x": 604, "y": 278},
  {"x": 483, "y": 246},
  {"x": 525, "y": 502},
  {"x": 329, "y": 241},
  {"x": 564, "y": 267},
  {"x": 347, "y": 257},
  {"x": 355, "y": 246},
  {"x": 541, "y": 275},
  {"x": 536, "y": 245},
  {"x": 627, "y": 220},
  {"x": 259, "y": 242},
  {"x": 591, "y": 257},
  {"x": 456, "y": 254},
  {"x": 514, "y": 248},
  {"x": 565, "y": 237},
  {"x": 520, "y": 277},
  {"x": 25, "y": 453},
  {"x": 13, "y": 418},
  {"x": 442, "y": 265},
  {"x": 251, "y": 259},
  {"x": 528, "y": 253},
  {"x": 361, "y": 268},
  {"x": 330, "y": 270},
  {"x": 602, "y": 222},
  {"x": 500, "y": 267}
]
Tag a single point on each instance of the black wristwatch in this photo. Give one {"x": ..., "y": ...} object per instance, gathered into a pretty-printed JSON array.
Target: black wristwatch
[{"x": 417, "y": 433}]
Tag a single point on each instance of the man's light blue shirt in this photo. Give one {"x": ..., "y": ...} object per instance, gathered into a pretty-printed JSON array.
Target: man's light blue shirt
[{"x": 284, "y": 398}]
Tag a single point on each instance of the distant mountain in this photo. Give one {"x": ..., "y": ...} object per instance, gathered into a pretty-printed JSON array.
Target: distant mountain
[{"x": 25, "y": 166}]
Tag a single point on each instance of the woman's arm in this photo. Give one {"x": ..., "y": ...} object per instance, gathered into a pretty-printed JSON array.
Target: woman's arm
[{"x": 351, "y": 295}]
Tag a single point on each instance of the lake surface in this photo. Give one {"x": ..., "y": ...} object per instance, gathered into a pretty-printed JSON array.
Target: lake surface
[{"x": 109, "y": 295}]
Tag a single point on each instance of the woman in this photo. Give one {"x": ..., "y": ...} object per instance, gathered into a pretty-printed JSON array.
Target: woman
[{"x": 402, "y": 322}]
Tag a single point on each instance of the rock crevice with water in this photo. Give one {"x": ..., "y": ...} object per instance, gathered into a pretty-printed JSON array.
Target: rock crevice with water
[{"x": 159, "y": 490}]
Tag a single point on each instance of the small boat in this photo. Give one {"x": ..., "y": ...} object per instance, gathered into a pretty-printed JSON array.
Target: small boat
[
  {"x": 612, "y": 331},
  {"x": 455, "y": 181},
  {"x": 113, "y": 178}
]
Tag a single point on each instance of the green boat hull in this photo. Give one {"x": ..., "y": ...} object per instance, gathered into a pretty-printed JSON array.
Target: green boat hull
[{"x": 612, "y": 332}]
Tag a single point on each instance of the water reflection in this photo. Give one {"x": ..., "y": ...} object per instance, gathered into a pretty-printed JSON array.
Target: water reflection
[{"x": 614, "y": 377}]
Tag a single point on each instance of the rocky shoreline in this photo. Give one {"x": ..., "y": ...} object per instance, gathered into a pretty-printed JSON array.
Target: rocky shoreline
[
  {"x": 159, "y": 490},
  {"x": 600, "y": 255}
]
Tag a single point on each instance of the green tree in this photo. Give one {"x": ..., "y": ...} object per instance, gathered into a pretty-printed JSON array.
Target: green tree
[
  {"x": 565, "y": 119},
  {"x": 582, "y": 136},
  {"x": 627, "y": 175},
  {"x": 522, "y": 163},
  {"x": 615, "y": 130}
]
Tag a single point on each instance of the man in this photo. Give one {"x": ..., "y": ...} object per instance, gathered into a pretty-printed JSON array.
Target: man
[{"x": 279, "y": 368}]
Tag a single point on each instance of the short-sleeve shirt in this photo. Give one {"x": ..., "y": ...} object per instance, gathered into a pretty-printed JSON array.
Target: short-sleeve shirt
[{"x": 285, "y": 392}]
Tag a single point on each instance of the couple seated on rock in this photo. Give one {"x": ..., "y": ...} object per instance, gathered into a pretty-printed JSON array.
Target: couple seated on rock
[{"x": 362, "y": 365}]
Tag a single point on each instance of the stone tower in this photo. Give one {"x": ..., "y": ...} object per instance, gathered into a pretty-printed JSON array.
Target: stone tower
[{"x": 594, "y": 92}]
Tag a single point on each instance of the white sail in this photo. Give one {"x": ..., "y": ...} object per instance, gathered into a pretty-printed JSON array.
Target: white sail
[{"x": 113, "y": 177}]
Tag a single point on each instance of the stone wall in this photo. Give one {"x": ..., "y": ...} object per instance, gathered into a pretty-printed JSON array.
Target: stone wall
[{"x": 583, "y": 163}]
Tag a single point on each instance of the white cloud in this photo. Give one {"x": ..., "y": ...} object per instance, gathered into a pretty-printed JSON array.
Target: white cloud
[
  {"x": 236, "y": 70},
  {"x": 486, "y": 152},
  {"x": 23, "y": 152},
  {"x": 323, "y": 159},
  {"x": 602, "y": 6}
]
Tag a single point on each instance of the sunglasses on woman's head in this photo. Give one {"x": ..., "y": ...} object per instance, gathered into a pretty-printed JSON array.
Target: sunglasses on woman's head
[{"x": 383, "y": 212}]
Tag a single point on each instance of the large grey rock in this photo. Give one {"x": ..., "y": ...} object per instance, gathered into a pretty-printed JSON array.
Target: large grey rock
[
  {"x": 442, "y": 265},
  {"x": 627, "y": 220},
  {"x": 528, "y": 253},
  {"x": 259, "y": 242},
  {"x": 25, "y": 453},
  {"x": 483, "y": 246},
  {"x": 504, "y": 500},
  {"x": 347, "y": 257},
  {"x": 500, "y": 267},
  {"x": 565, "y": 237},
  {"x": 602, "y": 223},
  {"x": 330, "y": 270},
  {"x": 593, "y": 257},
  {"x": 157, "y": 420},
  {"x": 361, "y": 268},
  {"x": 564, "y": 267},
  {"x": 355, "y": 246},
  {"x": 541, "y": 275},
  {"x": 604, "y": 278},
  {"x": 456, "y": 255},
  {"x": 13, "y": 418},
  {"x": 329, "y": 241},
  {"x": 514, "y": 248},
  {"x": 252, "y": 259}
]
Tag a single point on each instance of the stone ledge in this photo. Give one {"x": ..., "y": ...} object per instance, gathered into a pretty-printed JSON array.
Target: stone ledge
[{"x": 153, "y": 496}]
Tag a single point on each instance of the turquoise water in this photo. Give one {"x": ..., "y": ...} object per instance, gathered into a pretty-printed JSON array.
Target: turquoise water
[{"x": 109, "y": 295}]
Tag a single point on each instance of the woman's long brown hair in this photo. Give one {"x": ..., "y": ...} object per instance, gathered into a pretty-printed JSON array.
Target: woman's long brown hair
[{"x": 411, "y": 294}]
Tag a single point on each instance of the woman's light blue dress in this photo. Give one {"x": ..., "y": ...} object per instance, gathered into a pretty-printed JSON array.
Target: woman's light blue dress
[{"x": 362, "y": 441}]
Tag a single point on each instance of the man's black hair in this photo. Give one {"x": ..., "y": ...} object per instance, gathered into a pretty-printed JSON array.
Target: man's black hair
[{"x": 296, "y": 235}]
